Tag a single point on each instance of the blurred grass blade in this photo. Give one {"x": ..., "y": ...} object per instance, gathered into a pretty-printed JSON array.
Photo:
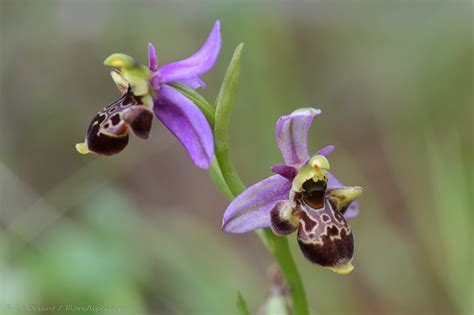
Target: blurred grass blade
[
  {"x": 452, "y": 208},
  {"x": 224, "y": 103},
  {"x": 242, "y": 305},
  {"x": 197, "y": 99}
]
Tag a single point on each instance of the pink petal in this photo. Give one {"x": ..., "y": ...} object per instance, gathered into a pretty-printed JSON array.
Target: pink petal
[
  {"x": 251, "y": 209},
  {"x": 198, "y": 64}
]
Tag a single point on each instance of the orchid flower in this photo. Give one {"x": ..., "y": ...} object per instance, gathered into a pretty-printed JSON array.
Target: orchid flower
[
  {"x": 146, "y": 90},
  {"x": 303, "y": 196}
]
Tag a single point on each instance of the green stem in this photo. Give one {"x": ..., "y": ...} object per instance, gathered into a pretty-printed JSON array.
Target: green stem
[
  {"x": 278, "y": 246},
  {"x": 225, "y": 176},
  {"x": 218, "y": 179}
]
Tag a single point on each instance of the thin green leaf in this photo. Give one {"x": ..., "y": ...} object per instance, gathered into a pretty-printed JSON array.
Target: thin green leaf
[
  {"x": 224, "y": 104},
  {"x": 219, "y": 181},
  {"x": 208, "y": 111},
  {"x": 242, "y": 305},
  {"x": 198, "y": 99}
]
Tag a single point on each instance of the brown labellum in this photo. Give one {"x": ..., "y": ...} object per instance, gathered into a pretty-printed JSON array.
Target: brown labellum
[
  {"x": 108, "y": 131},
  {"x": 324, "y": 236}
]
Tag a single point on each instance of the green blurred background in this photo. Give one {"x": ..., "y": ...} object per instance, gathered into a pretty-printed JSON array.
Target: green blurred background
[{"x": 142, "y": 230}]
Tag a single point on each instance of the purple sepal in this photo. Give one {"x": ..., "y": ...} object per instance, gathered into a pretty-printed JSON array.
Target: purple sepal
[
  {"x": 187, "y": 123},
  {"x": 199, "y": 63},
  {"x": 292, "y": 135},
  {"x": 152, "y": 58},
  {"x": 251, "y": 209},
  {"x": 326, "y": 151},
  {"x": 333, "y": 181},
  {"x": 287, "y": 171},
  {"x": 194, "y": 83},
  {"x": 354, "y": 208}
]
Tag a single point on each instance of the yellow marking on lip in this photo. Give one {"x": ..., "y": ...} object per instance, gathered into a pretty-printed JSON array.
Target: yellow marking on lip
[
  {"x": 82, "y": 148},
  {"x": 342, "y": 269}
]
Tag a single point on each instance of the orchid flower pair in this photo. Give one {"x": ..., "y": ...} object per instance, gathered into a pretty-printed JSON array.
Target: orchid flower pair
[
  {"x": 146, "y": 89},
  {"x": 303, "y": 196}
]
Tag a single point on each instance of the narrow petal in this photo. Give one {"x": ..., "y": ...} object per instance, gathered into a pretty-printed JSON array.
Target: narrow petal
[
  {"x": 251, "y": 209},
  {"x": 194, "y": 83},
  {"x": 199, "y": 63},
  {"x": 155, "y": 82},
  {"x": 187, "y": 123},
  {"x": 354, "y": 208},
  {"x": 288, "y": 172},
  {"x": 292, "y": 135},
  {"x": 152, "y": 58},
  {"x": 326, "y": 151}
]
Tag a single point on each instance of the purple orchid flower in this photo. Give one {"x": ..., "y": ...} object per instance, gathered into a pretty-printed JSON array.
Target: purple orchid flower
[
  {"x": 146, "y": 90},
  {"x": 303, "y": 196}
]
